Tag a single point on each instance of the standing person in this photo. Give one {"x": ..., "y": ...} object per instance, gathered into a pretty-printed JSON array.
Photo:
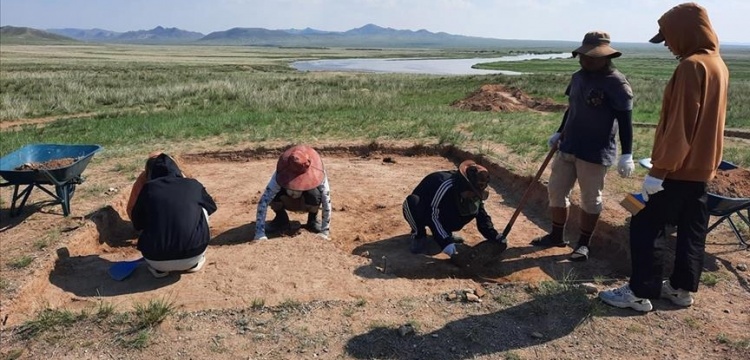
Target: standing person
[
  {"x": 171, "y": 211},
  {"x": 299, "y": 184},
  {"x": 445, "y": 201},
  {"x": 687, "y": 150},
  {"x": 600, "y": 102}
]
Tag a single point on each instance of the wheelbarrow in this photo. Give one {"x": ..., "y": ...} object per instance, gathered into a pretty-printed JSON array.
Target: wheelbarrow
[
  {"x": 15, "y": 170},
  {"x": 723, "y": 207}
]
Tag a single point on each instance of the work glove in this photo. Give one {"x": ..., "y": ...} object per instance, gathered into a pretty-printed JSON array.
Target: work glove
[
  {"x": 651, "y": 185},
  {"x": 325, "y": 235},
  {"x": 553, "y": 140},
  {"x": 260, "y": 236},
  {"x": 626, "y": 166}
]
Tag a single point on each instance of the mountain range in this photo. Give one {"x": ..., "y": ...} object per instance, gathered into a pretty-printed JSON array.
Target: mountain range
[{"x": 368, "y": 36}]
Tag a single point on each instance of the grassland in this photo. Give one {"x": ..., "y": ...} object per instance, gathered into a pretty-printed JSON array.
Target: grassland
[{"x": 137, "y": 95}]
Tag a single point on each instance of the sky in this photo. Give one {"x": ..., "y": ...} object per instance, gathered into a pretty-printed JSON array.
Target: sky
[{"x": 625, "y": 20}]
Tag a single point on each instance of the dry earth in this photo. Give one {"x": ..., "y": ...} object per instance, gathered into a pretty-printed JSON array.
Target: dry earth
[{"x": 301, "y": 297}]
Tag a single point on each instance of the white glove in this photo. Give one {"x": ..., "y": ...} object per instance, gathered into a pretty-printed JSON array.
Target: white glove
[
  {"x": 651, "y": 185},
  {"x": 626, "y": 166},
  {"x": 325, "y": 234},
  {"x": 260, "y": 236},
  {"x": 553, "y": 140}
]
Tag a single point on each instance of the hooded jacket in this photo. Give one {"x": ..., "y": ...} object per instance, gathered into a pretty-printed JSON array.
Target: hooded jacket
[
  {"x": 688, "y": 142},
  {"x": 440, "y": 192},
  {"x": 169, "y": 211}
]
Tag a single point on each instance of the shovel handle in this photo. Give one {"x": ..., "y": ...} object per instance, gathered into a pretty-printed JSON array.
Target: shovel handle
[{"x": 526, "y": 193}]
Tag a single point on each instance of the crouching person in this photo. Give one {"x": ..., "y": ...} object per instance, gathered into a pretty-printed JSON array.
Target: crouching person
[
  {"x": 445, "y": 201},
  {"x": 299, "y": 184},
  {"x": 171, "y": 211}
]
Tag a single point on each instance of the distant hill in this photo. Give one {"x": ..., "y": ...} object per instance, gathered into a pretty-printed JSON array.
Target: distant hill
[
  {"x": 25, "y": 35},
  {"x": 157, "y": 35},
  {"x": 367, "y": 36}
]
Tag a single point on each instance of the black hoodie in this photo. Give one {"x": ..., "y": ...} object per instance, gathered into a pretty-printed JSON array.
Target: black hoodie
[{"x": 169, "y": 210}]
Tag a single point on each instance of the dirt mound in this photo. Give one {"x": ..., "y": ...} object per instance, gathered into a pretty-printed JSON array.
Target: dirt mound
[
  {"x": 48, "y": 165},
  {"x": 497, "y": 97},
  {"x": 733, "y": 183}
]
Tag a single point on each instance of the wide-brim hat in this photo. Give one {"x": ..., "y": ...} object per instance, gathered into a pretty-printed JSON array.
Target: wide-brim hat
[
  {"x": 477, "y": 176},
  {"x": 300, "y": 168},
  {"x": 597, "y": 44}
]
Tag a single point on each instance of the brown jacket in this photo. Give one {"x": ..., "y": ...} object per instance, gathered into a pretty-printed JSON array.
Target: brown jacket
[{"x": 690, "y": 135}]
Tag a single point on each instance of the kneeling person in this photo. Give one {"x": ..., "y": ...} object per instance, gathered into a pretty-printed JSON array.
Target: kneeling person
[
  {"x": 172, "y": 212},
  {"x": 299, "y": 184},
  {"x": 445, "y": 201}
]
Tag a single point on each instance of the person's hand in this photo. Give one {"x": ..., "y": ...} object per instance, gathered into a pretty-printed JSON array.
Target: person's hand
[
  {"x": 325, "y": 234},
  {"x": 626, "y": 166},
  {"x": 553, "y": 140},
  {"x": 260, "y": 236},
  {"x": 651, "y": 185}
]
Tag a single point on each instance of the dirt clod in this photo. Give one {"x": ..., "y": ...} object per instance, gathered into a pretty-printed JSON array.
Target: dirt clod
[
  {"x": 498, "y": 97},
  {"x": 47, "y": 165},
  {"x": 733, "y": 183}
]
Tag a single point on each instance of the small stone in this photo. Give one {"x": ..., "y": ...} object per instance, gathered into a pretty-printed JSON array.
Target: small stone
[
  {"x": 365, "y": 254},
  {"x": 742, "y": 267},
  {"x": 472, "y": 298},
  {"x": 480, "y": 292},
  {"x": 727, "y": 311},
  {"x": 404, "y": 330},
  {"x": 589, "y": 288},
  {"x": 537, "y": 335},
  {"x": 452, "y": 297}
]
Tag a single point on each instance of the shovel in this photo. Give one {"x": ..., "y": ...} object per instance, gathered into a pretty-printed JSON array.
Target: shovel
[
  {"x": 121, "y": 270},
  {"x": 526, "y": 194},
  {"x": 489, "y": 250}
]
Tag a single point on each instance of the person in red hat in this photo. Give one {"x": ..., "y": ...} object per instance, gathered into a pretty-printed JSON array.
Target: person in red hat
[
  {"x": 445, "y": 201},
  {"x": 600, "y": 106},
  {"x": 299, "y": 184}
]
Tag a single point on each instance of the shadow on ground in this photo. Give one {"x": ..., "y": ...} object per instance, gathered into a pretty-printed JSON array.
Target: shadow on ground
[
  {"x": 538, "y": 321},
  {"x": 87, "y": 276}
]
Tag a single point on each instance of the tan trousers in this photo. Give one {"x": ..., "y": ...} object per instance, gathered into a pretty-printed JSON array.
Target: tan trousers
[{"x": 566, "y": 169}]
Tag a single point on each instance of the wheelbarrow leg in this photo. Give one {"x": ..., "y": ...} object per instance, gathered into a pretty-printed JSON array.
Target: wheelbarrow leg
[{"x": 16, "y": 195}]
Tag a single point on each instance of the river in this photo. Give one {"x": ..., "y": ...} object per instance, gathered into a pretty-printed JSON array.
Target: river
[{"x": 419, "y": 65}]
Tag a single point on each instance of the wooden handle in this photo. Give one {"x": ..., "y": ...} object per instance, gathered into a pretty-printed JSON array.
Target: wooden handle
[{"x": 528, "y": 191}]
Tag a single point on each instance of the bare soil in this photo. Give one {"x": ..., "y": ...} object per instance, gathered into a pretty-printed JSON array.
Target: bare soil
[
  {"x": 733, "y": 183},
  {"x": 360, "y": 295},
  {"x": 47, "y": 165},
  {"x": 498, "y": 97}
]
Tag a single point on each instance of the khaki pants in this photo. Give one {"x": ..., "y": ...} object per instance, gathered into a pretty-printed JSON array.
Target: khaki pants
[{"x": 566, "y": 169}]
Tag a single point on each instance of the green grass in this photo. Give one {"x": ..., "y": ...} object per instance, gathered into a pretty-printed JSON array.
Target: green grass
[
  {"x": 710, "y": 278},
  {"x": 152, "y": 313},
  {"x": 140, "y": 95},
  {"x": 47, "y": 320},
  {"x": 21, "y": 262}
]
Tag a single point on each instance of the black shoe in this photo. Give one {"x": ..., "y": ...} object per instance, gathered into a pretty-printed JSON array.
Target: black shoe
[
  {"x": 457, "y": 239},
  {"x": 581, "y": 253},
  {"x": 547, "y": 241},
  {"x": 313, "y": 225},
  {"x": 279, "y": 223},
  {"x": 418, "y": 244}
]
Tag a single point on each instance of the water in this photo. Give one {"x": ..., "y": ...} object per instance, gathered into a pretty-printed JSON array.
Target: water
[{"x": 419, "y": 66}]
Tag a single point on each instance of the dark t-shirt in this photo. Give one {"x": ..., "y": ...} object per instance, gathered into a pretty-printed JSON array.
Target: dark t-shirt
[{"x": 591, "y": 126}]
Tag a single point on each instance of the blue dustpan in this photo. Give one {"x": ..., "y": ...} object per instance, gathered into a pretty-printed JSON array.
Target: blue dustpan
[{"x": 121, "y": 270}]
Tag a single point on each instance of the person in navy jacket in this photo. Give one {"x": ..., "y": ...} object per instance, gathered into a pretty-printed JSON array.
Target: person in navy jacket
[{"x": 444, "y": 202}]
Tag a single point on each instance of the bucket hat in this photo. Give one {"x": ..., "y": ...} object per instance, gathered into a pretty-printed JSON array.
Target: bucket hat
[
  {"x": 299, "y": 168},
  {"x": 596, "y": 44},
  {"x": 477, "y": 176}
]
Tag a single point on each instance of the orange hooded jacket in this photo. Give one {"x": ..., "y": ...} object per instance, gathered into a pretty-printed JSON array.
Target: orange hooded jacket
[{"x": 689, "y": 138}]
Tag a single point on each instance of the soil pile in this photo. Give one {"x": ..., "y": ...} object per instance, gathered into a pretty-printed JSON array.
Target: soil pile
[
  {"x": 47, "y": 165},
  {"x": 496, "y": 97},
  {"x": 733, "y": 183}
]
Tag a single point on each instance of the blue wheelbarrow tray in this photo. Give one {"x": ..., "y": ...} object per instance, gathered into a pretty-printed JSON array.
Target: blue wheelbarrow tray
[
  {"x": 723, "y": 207},
  {"x": 64, "y": 179}
]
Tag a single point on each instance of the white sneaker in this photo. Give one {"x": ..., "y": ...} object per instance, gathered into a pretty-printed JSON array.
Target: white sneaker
[
  {"x": 198, "y": 266},
  {"x": 677, "y": 296},
  {"x": 156, "y": 273},
  {"x": 623, "y": 297}
]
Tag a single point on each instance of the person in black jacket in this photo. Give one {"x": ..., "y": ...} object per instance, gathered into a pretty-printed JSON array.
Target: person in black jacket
[
  {"x": 445, "y": 201},
  {"x": 171, "y": 211}
]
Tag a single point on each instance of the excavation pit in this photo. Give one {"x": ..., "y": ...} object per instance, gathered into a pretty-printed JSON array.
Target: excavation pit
[{"x": 366, "y": 258}]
